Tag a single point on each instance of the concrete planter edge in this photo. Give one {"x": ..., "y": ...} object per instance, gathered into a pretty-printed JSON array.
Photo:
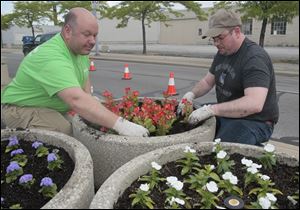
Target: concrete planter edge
[
  {"x": 122, "y": 178},
  {"x": 78, "y": 192}
]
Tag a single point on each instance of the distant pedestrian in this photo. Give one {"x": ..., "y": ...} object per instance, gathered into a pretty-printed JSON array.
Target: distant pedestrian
[
  {"x": 53, "y": 79},
  {"x": 244, "y": 79}
]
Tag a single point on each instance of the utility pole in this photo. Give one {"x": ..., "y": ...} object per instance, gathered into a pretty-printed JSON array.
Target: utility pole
[{"x": 94, "y": 7}]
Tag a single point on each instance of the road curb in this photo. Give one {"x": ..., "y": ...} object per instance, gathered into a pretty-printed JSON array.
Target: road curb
[{"x": 179, "y": 61}]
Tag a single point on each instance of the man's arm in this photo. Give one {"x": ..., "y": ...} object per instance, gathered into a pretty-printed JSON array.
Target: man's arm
[
  {"x": 87, "y": 86},
  {"x": 204, "y": 85},
  {"x": 251, "y": 103},
  {"x": 88, "y": 107}
]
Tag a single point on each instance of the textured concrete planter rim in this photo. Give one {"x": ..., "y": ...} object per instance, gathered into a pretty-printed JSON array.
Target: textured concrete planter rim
[
  {"x": 79, "y": 190},
  {"x": 123, "y": 177},
  {"x": 145, "y": 140}
]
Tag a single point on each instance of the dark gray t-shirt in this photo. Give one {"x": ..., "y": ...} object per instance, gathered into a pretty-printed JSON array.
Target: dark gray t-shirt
[{"x": 250, "y": 66}]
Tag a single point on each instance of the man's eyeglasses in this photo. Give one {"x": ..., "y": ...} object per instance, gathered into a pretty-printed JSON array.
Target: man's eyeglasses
[{"x": 220, "y": 38}]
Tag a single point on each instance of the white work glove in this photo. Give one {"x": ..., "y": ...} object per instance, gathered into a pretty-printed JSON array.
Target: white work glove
[
  {"x": 200, "y": 114},
  {"x": 126, "y": 128},
  {"x": 190, "y": 96}
]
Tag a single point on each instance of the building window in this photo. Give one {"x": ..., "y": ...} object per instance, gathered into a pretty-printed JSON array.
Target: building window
[
  {"x": 278, "y": 26},
  {"x": 247, "y": 27},
  {"x": 199, "y": 31}
]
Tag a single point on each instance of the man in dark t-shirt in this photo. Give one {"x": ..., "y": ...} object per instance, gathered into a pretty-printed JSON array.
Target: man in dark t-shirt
[{"x": 243, "y": 76}]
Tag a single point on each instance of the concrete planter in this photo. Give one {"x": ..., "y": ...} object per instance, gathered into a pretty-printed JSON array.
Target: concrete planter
[
  {"x": 78, "y": 192},
  {"x": 122, "y": 178},
  {"x": 109, "y": 152}
]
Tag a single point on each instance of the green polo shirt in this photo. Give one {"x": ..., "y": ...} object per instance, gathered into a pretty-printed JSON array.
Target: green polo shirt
[{"x": 48, "y": 69}]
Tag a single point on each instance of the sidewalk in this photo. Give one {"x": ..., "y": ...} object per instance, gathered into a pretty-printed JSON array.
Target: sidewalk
[
  {"x": 290, "y": 69},
  {"x": 285, "y": 59}
]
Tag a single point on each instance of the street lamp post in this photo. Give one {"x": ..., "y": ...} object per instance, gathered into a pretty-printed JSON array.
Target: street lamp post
[{"x": 94, "y": 7}]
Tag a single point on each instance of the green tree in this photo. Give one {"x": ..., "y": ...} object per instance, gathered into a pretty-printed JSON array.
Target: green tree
[
  {"x": 6, "y": 22},
  {"x": 150, "y": 11},
  {"x": 265, "y": 11},
  {"x": 53, "y": 11},
  {"x": 65, "y": 6},
  {"x": 26, "y": 13}
]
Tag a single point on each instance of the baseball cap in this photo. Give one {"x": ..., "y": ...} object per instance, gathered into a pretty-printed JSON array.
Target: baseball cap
[{"x": 221, "y": 21}]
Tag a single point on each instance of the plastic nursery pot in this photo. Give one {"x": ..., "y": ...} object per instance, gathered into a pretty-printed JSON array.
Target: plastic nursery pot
[
  {"x": 110, "y": 151},
  {"x": 110, "y": 191},
  {"x": 79, "y": 190}
]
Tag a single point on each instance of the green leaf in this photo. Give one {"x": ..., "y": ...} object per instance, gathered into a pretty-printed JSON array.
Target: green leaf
[
  {"x": 275, "y": 191},
  {"x": 235, "y": 188},
  {"x": 135, "y": 201},
  {"x": 214, "y": 176},
  {"x": 185, "y": 170},
  {"x": 149, "y": 205},
  {"x": 255, "y": 190}
]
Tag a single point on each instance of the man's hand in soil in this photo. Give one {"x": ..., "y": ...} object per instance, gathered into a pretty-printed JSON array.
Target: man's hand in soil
[
  {"x": 126, "y": 128},
  {"x": 200, "y": 114}
]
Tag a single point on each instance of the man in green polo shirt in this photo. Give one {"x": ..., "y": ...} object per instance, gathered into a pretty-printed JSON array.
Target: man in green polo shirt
[{"x": 53, "y": 79}]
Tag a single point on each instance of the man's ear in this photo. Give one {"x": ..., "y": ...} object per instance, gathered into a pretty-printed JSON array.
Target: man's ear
[{"x": 68, "y": 31}]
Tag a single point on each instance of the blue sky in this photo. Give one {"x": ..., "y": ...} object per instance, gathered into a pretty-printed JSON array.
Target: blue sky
[{"x": 7, "y": 6}]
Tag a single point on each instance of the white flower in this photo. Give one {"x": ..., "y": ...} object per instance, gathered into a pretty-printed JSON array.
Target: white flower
[
  {"x": 155, "y": 166},
  {"x": 233, "y": 180},
  {"x": 229, "y": 176},
  {"x": 177, "y": 200},
  {"x": 188, "y": 149},
  {"x": 265, "y": 177},
  {"x": 222, "y": 154},
  {"x": 171, "y": 179},
  {"x": 252, "y": 170},
  {"x": 271, "y": 197},
  {"x": 264, "y": 202},
  {"x": 217, "y": 141},
  {"x": 269, "y": 148},
  {"x": 212, "y": 167},
  {"x": 214, "y": 149},
  {"x": 178, "y": 185},
  {"x": 290, "y": 198},
  {"x": 254, "y": 165},
  {"x": 144, "y": 187},
  {"x": 246, "y": 162},
  {"x": 212, "y": 186}
]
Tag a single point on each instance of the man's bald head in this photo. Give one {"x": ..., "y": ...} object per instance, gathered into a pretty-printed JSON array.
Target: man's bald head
[
  {"x": 72, "y": 17},
  {"x": 80, "y": 30}
]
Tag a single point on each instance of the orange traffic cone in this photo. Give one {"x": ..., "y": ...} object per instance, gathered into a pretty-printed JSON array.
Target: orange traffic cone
[
  {"x": 92, "y": 66},
  {"x": 171, "y": 91},
  {"x": 127, "y": 75}
]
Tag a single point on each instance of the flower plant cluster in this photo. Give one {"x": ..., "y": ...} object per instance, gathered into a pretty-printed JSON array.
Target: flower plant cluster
[
  {"x": 15, "y": 169},
  {"x": 158, "y": 118},
  {"x": 211, "y": 183}
]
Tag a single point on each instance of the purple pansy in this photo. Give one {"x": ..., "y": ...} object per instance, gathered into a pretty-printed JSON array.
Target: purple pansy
[
  {"x": 46, "y": 182},
  {"x": 16, "y": 152},
  {"x": 13, "y": 166},
  {"x": 13, "y": 140},
  {"x": 37, "y": 144},
  {"x": 51, "y": 157},
  {"x": 25, "y": 178}
]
